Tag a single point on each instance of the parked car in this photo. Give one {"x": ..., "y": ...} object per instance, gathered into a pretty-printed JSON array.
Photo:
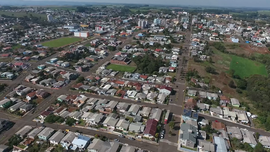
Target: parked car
[{"x": 122, "y": 136}]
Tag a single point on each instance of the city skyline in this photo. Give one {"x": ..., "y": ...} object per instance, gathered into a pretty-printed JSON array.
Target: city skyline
[{"x": 219, "y": 3}]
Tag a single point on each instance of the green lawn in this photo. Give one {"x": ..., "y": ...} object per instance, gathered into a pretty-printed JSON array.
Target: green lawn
[
  {"x": 245, "y": 67},
  {"x": 22, "y": 14},
  {"x": 61, "y": 42},
  {"x": 121, "y": 68}
]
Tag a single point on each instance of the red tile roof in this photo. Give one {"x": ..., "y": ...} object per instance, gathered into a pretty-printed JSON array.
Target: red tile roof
[
  {"x": 144, "y": 76},
  {"x": 31, "y": 94},
  {"x": 151, "y": 127}
]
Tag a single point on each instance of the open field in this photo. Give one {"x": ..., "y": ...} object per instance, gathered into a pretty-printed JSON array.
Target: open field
[
  {"x": 22, "y": 14},
  {"x": 61, "y": 42},
  {"x": 121, "y": 68},
  {"x": 265, "y": 12},
  {"x": 245, "y": 67},
  {"x": 223, "y": 62}
]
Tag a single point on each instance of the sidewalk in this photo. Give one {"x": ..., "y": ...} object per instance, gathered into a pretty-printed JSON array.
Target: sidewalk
[
  {"x": 117, "y": 133},
  {"x": 224, "y": 119}
]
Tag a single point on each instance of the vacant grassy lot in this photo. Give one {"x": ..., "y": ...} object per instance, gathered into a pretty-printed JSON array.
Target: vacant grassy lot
[
  {"x": 61, "y": 42},
  {"x": 245, "y": 67},
  {"x": 121, "y": 68},
  {"x": 22, "y": 14}
]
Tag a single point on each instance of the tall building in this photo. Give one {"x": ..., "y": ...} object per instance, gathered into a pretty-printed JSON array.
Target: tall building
[
  {"x": 142, "y": 23},
  {"x": 157, "y": 21},
  {"x": 50, "y": 18}
]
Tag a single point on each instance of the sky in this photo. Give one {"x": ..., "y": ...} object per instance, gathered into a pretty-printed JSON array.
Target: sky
[{"x": 224, "y": 3}]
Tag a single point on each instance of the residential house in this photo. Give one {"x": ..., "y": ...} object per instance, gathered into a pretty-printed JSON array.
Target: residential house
[
  {"x": 248, "y": 137},
  {"x": 220, "y": 144},
  {"x": 203, "y": 106},
  {"x": 203, "y": 122},
  {"x": 32, "y": 134},
  {"x": 265, "y": 141},
  {"x": 235, "y": 102},
  {"x": 206, "y": 146},
  {"x": 123, "y": 107},
  {"x": 203, "y": 94},
  {"x": 188, "y": 135},
  {"x": 23, "y": 131},
  {"x": 161, "y": 98},
  {"x": 5, "y": 103},
  {"x": 192, "y": 93},
  {"x": 189, "y": 115},
  {"x": 46, "y": 133},
  {"x": 122, "y": 125},
  {"x": 96, "y": 119},
  {"x": 110, "y": 122},
  {"x": 103, "y": 146},
  {"x": 151, "y": 96},
  {"x": 67, "y": 139},
  {"x": 165, "y": 90},
  {"x": 30, "y": 96},
  {"x": 229, "y": 114},
  {"x": 191, "y": 103},
  {"x": 16, "y": 106},
  {"x": 133, "y": 110},
  {"x": 234, "y": 132},
  {"x": 136, "y": 127},
  {"x": 145, "y": 112},
  {"x": 128, "y": 149},
  {"x": 216, "y": 112},
  {"x": 212, "y": 96},
  {"x": 131, "y": 93},
  {"x": 242, "y": 117},
  {"x": 140, "y": 96},
  {"x": 80, "y": 142},
  {"x": 151, "y": 127},
  {"x": 57, "y": 137},
  {"x": 42, "y": 94},
  {"x": 86, "y": 116},
  {"x": 155, "y": 114},
  {"x": 224, "y": 101},
  {"x": 26, "y": 107}
]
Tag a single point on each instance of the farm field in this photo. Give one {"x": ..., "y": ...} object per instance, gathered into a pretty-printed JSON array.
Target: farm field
[
  {"x": 121, "y": 68},
  {"x": 61, "y": 42},
  {"x": 22, "y": 14},
  {"x": 245, "y": 67}
]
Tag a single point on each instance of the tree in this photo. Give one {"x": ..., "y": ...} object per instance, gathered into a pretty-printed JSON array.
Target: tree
[
  {"x": 14, "y": 140},
  {"x": 242, "y": 84},
  {"x": 257, "y": 135},
  {"x": 70, "y": 121},
  {"x": 157, "y": 135},
  {"x": 80, "y": 79},
  {"x": 171, "y": 125},
  {"x": 259, "y": 148},
  {"x": 210, "y": 70},
  {"x": 231, "y": 84},
  {"x": 112, "y": 48},
  {"x": 58, "y": 148}
]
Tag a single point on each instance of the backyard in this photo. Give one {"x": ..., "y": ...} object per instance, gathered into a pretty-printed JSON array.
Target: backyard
[
  {"x": 121, "y": 68},
  {"x": 61, "y": 42}
]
